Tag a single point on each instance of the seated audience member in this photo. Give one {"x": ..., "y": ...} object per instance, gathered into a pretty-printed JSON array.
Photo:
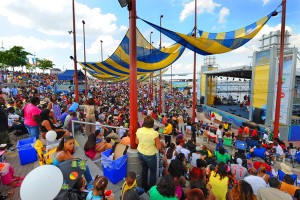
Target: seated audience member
[
  {"x": 165, "y": 189},
  {"x": 219, "y": 181},
  {"x": 73, "y": 117},
  {"x": 198, "y": 172},
  {"x": 272, "y": 193},
  {"x": 288, "y": 186},
  {"x": 108, "y": 144},
  {"x": 130, "y": 184},
  {"x": 78, "y": 191},
  {"x": 263, "y": 173},
  {"x": 177, "y": 167},
  {"x": 243, "y": 190},
  {"x": 8, "y": 177},
  {"x": 255, "y": 181},
  {"x": 125, "y": 139},
  {"x": 94, "y": 146},
  {"x": 238, "y": 170},
  {"x": 47, "y": 125},
  {"x": 98, "y": 191},
  {"x": 195, "y": 194},
  {"x": 222, "y": 156}
]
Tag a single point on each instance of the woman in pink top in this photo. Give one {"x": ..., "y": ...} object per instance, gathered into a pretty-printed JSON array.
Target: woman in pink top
[{"x": 31, "y": 117}]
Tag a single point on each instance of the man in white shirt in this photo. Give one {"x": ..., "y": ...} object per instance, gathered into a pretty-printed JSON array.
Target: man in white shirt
[
  {"x": 185, "y": 151},
  {"x": 272, "y": 193},
  {"x": 255, "y": 181},
  {"x": 219, "y": 134}
]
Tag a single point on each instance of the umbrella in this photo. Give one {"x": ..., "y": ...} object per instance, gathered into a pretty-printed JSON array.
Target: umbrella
[{"x": 72, "y": 170}]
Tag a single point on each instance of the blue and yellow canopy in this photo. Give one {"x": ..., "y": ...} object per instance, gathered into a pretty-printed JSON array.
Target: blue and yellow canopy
[
  {"x": 216, "y": 43},
  {"x": 149, "y": 59}
]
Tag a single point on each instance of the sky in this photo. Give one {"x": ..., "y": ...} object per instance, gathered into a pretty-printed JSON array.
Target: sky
[{"x": 41, "y": 26}]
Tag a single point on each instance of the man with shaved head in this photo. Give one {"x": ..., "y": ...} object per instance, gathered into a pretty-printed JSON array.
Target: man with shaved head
[
  {"x": 4, "y": 130},
  {"x": 255, "y": 181}
]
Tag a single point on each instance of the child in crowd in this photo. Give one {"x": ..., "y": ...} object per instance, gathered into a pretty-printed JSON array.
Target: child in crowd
[
  {"x": 130, "y": 184},
  {"x": 98, "y": 192}
]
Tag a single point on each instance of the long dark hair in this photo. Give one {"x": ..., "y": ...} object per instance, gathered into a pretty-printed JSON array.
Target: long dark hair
[
  {"x": 221, "y": 170},
  {"x": 245, "y": 191},
  {"x": 63, "y": 141},
  {"x": 44, "y": 115},
  {"x": 170, "y": 151},
  {"x": 91, "y": 142},
  {"x": 166, "y": 186}
]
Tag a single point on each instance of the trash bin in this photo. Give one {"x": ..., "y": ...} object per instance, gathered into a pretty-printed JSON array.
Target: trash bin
[
  {"x": 114, "y": 170},
  {"x": 26, "y": 150}
]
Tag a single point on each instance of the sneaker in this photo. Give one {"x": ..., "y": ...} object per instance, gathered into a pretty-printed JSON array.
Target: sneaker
[{"x": 11, "y": 149}]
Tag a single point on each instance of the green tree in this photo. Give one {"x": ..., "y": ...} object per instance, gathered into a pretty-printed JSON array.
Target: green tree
[
  {"x": 16, "y": 57},
  {"x": 44, "y": 64}
]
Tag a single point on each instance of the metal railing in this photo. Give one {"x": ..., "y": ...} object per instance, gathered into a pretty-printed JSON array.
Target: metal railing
[{"x": 94, "y": 124}]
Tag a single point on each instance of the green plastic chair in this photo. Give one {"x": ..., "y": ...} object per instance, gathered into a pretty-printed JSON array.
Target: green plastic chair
[{"x": 227, "y": 141}]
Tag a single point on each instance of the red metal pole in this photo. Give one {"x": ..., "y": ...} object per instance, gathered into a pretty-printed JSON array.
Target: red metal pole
[
  {"x": 279, "y": 85},
  {"x": 133, "y": 76},
  {"x": 194, "y": 75},
  {"x": 75, "y": 56},
  {"x": 84, "y": 53}
]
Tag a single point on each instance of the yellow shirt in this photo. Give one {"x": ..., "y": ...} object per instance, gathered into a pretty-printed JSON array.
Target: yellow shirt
[
  {"x": 146, "y": 137},
  {"x": 219, "y": 187},
  {"x": 168, "y": 130},
  {"x": 225, "y": 126}
]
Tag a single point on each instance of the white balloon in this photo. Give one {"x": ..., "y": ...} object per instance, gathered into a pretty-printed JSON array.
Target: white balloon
[
  {"x": 51, "y": 136},
  {"x": 43, "y": 182}
]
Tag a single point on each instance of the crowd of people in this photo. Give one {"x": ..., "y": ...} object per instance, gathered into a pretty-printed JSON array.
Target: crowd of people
[{"x": 187, "y": 167}]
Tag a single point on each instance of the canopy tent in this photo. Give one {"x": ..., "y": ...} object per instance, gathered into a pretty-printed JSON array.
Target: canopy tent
[
  {"x": 216, "y": 43},
  {"x": 140, "y": 78},
  {"x": 68, "y": 75},
  {"x": 149, "y": 59}
]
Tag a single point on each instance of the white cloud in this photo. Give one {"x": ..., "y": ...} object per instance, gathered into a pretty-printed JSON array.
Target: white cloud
[
  {"x": 123, "y": 28},
  {"x": 108, "y": 47},
  {"x": 202, "y": 7},
  {"x": 265, "y": 2},
  {"x": 33, "y": 44},
  {"x": 55, "y": 17},
  {"x": 224, "y": 12}
]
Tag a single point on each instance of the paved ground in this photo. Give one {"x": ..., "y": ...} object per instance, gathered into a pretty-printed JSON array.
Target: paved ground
[{"x": 13, "y": 159}]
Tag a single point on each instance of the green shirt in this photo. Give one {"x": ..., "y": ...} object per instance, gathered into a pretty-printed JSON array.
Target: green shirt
[
  {"x": 155, "y": 195},
  {"x": 222, "y": 158}
]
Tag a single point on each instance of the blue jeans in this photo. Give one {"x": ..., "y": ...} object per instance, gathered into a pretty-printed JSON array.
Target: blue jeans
[
  {"x": 87, "y": 174},
  {"x": 148, "y": 162},
  {"x": 220, "y": 144},
  {"x": 33, "y": 131}
]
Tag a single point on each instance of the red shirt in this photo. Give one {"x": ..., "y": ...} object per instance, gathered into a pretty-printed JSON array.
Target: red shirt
[
  {"x": 240, "y": 131},
  {"x": 254, "y": 133}
]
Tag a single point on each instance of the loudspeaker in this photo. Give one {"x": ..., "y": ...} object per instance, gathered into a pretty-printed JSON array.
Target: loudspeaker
[{"x": 257, "y": 115}]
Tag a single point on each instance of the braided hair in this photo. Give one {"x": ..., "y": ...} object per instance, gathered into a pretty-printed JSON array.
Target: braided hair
[{"x": 100, "y": 184}]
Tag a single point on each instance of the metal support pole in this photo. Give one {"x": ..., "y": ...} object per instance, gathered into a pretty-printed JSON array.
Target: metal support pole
[
  {"x": 160, "y": 76},
  {"x": 171, "y": 89},
  {"x": 75, "y": 56},
  {"x": 101, "y": 41},
  {"x": 151, "y": 75},
  {"x": 84, "y": 54},
  {"x": 133, "y": 75},
  {"x": 194, "y": 74},
  {"x": 279, "y": 82}
]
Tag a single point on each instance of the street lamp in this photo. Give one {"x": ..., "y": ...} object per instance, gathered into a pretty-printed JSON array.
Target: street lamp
[
  {"x": 84, "y": 55},
  {"x": 160, "y": 73},
  {"x": 151, "y": 75},
  {"x": 75, "y": 56},
  {"x": 101, "y": 41}
]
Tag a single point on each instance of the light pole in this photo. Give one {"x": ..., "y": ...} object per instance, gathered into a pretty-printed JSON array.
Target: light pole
[
  {"x": 160, "y": 74},
  {"x": 151, "y": 75},
  {"x": 75, "y": 56},
  {"x": 84, "y": 54},
  {"x": 194, "y": 74},
  {"x": 101, "y": 41}
]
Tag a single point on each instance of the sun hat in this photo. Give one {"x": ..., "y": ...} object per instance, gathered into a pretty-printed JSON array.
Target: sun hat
[{"x": 286, "y": 169}]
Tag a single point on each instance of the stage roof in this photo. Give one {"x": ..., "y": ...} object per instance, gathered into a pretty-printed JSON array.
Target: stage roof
[{"x": 236, "y": 72}]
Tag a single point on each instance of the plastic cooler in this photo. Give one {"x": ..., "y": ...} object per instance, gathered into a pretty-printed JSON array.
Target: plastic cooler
[
  {"x": 26, "y": 150},
  {"x": 114, "y": 170}
]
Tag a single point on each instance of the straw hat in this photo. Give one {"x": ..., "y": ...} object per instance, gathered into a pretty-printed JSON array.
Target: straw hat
[{"x": 286, "y": 169}]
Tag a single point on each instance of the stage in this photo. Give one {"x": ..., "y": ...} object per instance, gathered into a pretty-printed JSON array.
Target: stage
[{"x": 235, "y": 110}]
